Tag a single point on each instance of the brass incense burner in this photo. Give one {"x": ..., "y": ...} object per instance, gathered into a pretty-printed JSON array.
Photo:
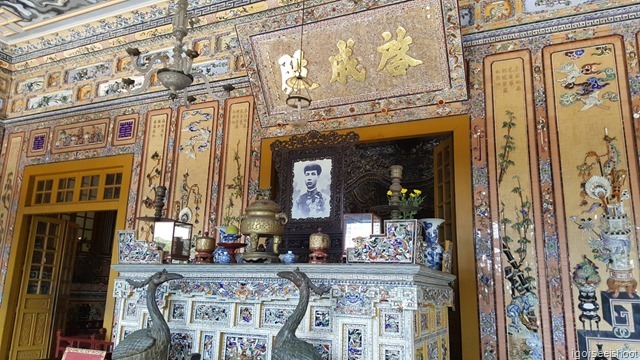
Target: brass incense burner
[{"x": 263, "y": 225}]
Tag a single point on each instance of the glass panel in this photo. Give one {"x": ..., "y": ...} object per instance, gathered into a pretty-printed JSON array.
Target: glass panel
[
  {"x": 62, "y": 184},
  {"x": 41, "y": 229},
  {"x": 35, "y": 272},
  {"x": 48, "y": 185},
  {"x": 32, "y": 288},
  {"x": 38, "y": 199},
  {"x": 119, "y": 178},
  {"x": 47, "y": 272},
  {"x": 40, "y": 185},
  {"x": 36, "y": 258},
  {"x": 116, "y": 193},
  {"x": 49, "y": 257},
  {"x": 85, "y": 181},
  {"x": 88, "y": 223},
  {"x": 53, "y": 229},
  {"x": 84, "y": 194},
  {"x": 39, "y": 242},
  {"x": 108, "y": 193},
  {"x": 47, "y": 198},
  {"x": 71, "y": 183},
  {"x": 45, "y": 286},
  {"x": 51, "y": 244},
  {"x": 110, "y": 179},
  {"x": 93, "y": 194},
  {"x": 69, "y": 197},
  {"x": 60, "y": 197},
  {"x": 94, "y": 180}
]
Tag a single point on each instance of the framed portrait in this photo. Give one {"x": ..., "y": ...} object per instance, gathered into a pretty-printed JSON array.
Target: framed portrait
[
  {"x": 311, "y": 189},
  {"x": 309, "y": 177}
]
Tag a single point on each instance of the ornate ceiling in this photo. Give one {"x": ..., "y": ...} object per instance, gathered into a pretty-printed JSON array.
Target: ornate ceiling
[{"x": 27, "y": 19}]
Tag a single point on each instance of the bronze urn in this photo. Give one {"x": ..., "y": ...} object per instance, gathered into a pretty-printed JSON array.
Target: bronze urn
[{"x": 263, "y": 219}]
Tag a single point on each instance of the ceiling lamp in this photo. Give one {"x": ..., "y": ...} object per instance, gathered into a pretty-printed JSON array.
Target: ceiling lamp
[
  {"x": 299, "y": 98},
  {"x": 176, "y": 76}
]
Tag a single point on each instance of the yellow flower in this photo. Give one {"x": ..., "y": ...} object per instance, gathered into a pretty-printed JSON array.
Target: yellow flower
[
  {"x": 413, "y": 195},
  {"x": 418, "y": 192},
  {"x": 389, "y": 193},
  {"x": 404, "y": 191}
]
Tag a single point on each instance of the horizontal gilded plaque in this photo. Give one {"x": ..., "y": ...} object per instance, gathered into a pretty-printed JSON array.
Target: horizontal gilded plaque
[{"x": 409, "y": 53}]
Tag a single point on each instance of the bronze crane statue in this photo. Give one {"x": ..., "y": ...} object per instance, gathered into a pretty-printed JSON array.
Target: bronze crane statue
[
  {"x": 153, "y": 342},
  {"x": 286, "y": 345}
]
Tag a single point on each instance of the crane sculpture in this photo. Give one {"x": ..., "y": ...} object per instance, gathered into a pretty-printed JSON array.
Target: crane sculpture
[
  {"x": 286, "y": 345},
  {"x": 153, "y": 342}
]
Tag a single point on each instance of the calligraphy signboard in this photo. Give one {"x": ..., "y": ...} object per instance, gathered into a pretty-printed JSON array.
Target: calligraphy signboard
[{"x": 351, "y": 58}]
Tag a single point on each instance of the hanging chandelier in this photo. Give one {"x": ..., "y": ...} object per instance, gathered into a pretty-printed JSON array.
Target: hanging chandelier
[
  {"x": 175, "y": 74},
  {"x": 299, "y": 98}
]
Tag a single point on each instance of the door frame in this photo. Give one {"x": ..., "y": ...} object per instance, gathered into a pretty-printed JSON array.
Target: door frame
[
  {"x": 23, "y": 220},
  {"x": 459, "y": 127}
]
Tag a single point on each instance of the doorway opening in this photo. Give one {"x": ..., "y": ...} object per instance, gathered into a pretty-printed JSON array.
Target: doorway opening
[
  {"x": 88, "y": 278},
  {"x": 67, "y": 210}
]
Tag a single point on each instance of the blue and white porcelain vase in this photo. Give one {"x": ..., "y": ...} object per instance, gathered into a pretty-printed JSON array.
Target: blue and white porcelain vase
[
  {"x": 221, "y": 256},
  {"x": 432, "y": 249},
  {"x": 289, "y": 258}
]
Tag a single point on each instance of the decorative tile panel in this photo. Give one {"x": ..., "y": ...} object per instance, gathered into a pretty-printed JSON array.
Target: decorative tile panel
[
  {"x": 191, "y": 184},
  {"x": 30, "y": 86},
  {"x": 211, "y": 313},
  {"x": 50, "y": 100},
  {"x": 209, "y": 346},
  {"x": 38, "y": 142},
  {"x": 392, "y": 352},
  {"x": 238, "y": 346},
  {"x": 246, "y": 315},
  {"x": 275, "y": 316},
  {"x": 80, "y": 136},
  {"x": 8, "y": 181},
  {"x": 235, "y": 158},
  {"x": 125, "y": 129},
  {"x": 508, "y": 89},
  {"x": 323, "y": 347},
  {"x": 178, "y": 311},
  {"x": 154, "y": 158},
  {"x": 320, "y": 317},
  {"x": 181, "y": 345},
  {"x": 391, "y": 323}
]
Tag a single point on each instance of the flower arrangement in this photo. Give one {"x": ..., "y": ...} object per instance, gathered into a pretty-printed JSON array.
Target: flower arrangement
[{"x": 413, "y": 199}]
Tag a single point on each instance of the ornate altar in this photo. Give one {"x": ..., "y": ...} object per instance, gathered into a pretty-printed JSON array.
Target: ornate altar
[{"x": 378, "y": 311}]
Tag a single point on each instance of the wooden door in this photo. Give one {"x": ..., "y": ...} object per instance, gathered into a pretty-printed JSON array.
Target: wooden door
[
  {"x": 33, "y": 325},
  {"x": 444, "y": 201}
]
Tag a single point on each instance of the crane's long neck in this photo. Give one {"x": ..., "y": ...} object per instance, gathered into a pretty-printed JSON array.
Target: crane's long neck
[
  {"x": 155, "y": 314},
  {"x": 296, "y": 317}
]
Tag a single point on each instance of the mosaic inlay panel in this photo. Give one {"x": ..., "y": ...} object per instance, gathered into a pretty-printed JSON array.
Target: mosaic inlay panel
[
  {"x": 246, "y": 315},
  {"x": 320, "y": 318},
  {"x": 210, "y": 313},
  {"x": 80, "y": 136},
  {"x": 178, "y": 311},
  {"x": 181, "y": 344},
  {"x": 38, "y": 142},
  {"x": 208, "y": 347},
  {"x": 275, "y": 316},
  {"x": 237, "y": 346}
]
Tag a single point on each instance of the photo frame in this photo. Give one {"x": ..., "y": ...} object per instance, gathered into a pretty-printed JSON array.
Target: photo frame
[{"x": 309, "y": 173}]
